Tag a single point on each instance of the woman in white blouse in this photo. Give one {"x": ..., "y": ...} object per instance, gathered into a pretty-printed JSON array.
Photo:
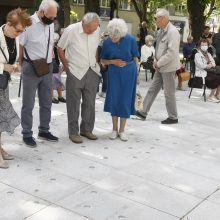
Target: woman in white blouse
[
  {"x": 148, "y": 50},
  {"x": 16, "y": 22},
  {"x": 203, "y": 62}
]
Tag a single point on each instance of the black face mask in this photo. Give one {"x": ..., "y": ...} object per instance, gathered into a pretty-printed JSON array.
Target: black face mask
[{"x": 47, "y": 20}]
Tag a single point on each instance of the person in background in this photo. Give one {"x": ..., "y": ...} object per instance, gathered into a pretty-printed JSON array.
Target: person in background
[
  {"x": 113, "y": 7},
  {"x": 206, "y": 33},
  {"x": 103, "y": 68},
  {"x": 187, "y": 50},
  {"x": 147, "y": 50},
  {"x": 216, "y": 44},
  {"x": 16, "y": 22},
  {"x": 57, "y": 71},
  {"x": 211, "y": 48},
  {"x": 166, "y": 63},
  {"x": 80, "y": 42},
  {"x": 142, "y": 34},
  {"x": 38, "y": 42},
  {"x": 203, "y": 62},
  {"x": 120, "y": 53}
]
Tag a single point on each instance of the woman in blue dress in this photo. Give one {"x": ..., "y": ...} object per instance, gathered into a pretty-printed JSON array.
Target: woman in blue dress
[{"x": 120, "y": 53}]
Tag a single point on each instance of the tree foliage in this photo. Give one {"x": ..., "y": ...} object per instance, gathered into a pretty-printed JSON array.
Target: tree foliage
[{"x": 199, "y": 11}]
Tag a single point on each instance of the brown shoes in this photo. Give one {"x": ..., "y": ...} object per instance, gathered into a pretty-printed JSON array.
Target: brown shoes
[
  {"x": 76, "y": 138},
  {"x": 89, "y": 135}
]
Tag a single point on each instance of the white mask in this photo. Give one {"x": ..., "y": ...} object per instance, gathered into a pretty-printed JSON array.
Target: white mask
[
  {"x": 204, "y": 48},
  {"x": 150, "y": 44}
]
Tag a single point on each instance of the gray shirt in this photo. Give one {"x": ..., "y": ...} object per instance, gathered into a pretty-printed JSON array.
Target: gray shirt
[
  {"x": 167, "y": 49},
  {"x": 35, "y": 39}
]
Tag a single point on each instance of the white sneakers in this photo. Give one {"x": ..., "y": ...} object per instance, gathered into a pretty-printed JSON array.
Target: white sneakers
[
  {"x": 217, "y": 97},
  {"x": 213, "y": 99},
  {"x": 121, "y": 135},
  {"x": 113, "y": 135}
]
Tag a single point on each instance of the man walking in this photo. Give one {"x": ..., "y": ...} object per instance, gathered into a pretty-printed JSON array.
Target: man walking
[
  {"x": 166, "y": 63},
  {"x": 80, "y": 42},
  {"x": 35, "y": 43}
]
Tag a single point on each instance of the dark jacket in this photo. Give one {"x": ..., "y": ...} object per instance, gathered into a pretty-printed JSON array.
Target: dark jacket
[
  {"x": 216, "y": 42},
  {"x": 187, "y": 49}
]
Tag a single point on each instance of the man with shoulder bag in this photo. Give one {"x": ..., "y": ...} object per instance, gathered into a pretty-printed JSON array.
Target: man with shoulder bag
[{"x": 36, "y": 45}]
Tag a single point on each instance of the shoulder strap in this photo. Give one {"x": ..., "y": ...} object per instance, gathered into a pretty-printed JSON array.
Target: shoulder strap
[
  {"x": 26, "y": 54},
  {"x": 4, "y": 54},
  {"x": 48, "y": 43}
]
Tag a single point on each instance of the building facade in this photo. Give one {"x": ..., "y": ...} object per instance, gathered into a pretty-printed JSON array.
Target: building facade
[
  {"x": 125, "y": 11},
  {"x": 6, "y": 6}
]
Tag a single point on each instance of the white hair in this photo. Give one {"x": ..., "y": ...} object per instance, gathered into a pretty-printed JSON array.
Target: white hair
[
  {"x": 89, "y": 17},
  {"x": 45, "y": 4},
  {"x": 163, "y": 13},
  {"x": 149, "y": 38},
  {"x": 117, "y": 28}
]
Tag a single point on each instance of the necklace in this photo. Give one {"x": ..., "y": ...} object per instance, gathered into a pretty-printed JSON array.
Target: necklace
[
  {"x": 10, "y": 44},
  {"x": 11, "y": 50}
]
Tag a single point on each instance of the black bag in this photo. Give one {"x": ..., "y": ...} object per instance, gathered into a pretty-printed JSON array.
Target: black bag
[
  {"x": 40, "y": 66},
  {"x": 55, "y": 67},
  {"x": 195, "y": 82},
  {"x": 4, "y": 77},
  {"x": 214, "y": 70},
  {"x": 149, "y": 63}
]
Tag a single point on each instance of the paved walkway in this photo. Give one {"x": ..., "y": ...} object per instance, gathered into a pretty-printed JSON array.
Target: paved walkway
[{"x": 164, "y": 172}]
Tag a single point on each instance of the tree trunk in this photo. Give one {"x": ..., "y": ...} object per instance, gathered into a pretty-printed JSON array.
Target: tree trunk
[
  {"x": 92, "y": 6},
  {"x": 65, "y": 6},
  {"x": 196, "y": 18},
  {"x": 141, "y": 9}
]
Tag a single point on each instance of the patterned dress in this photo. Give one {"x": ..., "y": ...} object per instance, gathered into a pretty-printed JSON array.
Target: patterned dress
[{"x": 9, "y": 119}]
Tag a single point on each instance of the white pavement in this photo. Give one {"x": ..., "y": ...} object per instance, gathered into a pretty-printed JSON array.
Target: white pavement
[{"x": 164, "y": 172}]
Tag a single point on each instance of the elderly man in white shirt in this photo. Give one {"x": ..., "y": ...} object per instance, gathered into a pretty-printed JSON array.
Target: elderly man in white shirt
[{"x": 80, "y": 42}]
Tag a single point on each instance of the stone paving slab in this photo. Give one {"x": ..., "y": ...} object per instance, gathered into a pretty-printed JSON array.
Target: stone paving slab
[{"x": 164, "y": 172}]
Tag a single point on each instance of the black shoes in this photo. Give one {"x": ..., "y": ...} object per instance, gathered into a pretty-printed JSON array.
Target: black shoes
[
  {"x": 55, "y": 101},
  {"x": 47, "y": 136},
  {"x": 30, "y": 142},
  {"x": 169, "y": 121},
  {"x": 60, "y": 99},
  {"x": 140, "y": 115}
]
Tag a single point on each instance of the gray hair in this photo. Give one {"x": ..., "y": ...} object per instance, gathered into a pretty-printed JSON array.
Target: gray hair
[
  {"x": 117, "y": 28},
  {"x": 45, "y": 4},
  {"x": 149, "y": 38},
  {"x": 90, "y": 17},
  {"x": 163, "y": 13}
]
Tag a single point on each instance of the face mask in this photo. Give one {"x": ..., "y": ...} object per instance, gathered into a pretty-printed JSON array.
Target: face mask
[
  {"x": 47, "y": 20},
  {"x": 204, "y": 48},
  {"x": 150, "y": 44}
]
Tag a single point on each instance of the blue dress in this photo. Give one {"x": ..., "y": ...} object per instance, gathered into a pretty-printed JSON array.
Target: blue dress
[{"x": 121, "y": 87}]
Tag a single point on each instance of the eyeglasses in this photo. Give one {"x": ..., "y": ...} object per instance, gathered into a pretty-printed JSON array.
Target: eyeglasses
[
  {"x": 18, "y": 30},
  {"x": 155, "y": 18}
]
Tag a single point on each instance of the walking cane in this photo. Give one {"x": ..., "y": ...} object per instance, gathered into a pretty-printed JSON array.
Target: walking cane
[{"x": 19, "y": 91}]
